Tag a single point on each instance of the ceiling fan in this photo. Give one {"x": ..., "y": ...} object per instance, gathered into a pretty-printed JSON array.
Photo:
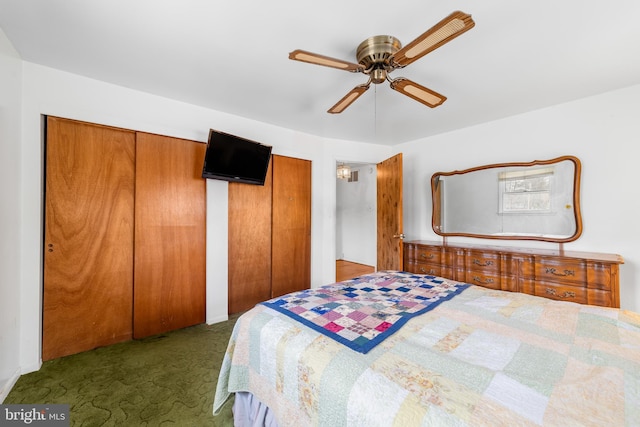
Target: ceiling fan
[{"x": 378, "y": 56}]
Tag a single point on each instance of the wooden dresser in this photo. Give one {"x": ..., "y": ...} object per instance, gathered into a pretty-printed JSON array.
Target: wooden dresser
[{"x": 582, "y": 277}]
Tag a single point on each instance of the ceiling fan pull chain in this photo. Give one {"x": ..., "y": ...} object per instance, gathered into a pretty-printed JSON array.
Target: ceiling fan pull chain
[{"x": 375, "y": 112}]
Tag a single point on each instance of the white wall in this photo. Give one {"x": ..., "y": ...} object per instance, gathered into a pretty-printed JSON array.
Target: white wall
[
  {"x": 602, "y": 131},
  {"x": 356, "y": 226},
  {"x": 10, "y": 106},
  {"x": 52, "y": 92}
]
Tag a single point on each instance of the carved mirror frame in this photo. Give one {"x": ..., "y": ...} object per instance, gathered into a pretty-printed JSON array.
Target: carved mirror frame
[{"x": 437, "y": 194}]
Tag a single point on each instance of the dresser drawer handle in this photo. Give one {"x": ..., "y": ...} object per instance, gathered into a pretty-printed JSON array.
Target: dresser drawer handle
[
  {"x": 553, "y": 271},
  {"x": 424, "y": 256},
  {"x": 565, "y": 294},
  {"x": 485, "y": 264},
  {"x": 424, "y": 271},
  {"x": 479, "y": 280}
]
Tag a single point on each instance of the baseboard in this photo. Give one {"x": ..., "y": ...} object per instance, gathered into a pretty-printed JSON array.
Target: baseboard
[
  {"x": 31, "y": 368},
  {"x": 8, "y": 385},
  {"x": 217, "y": 319}
]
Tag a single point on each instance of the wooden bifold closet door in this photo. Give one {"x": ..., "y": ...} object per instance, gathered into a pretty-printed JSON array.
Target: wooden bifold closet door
[
  {"x": 249, "y": 244},
  {"x": 88, "y": 253},
  {"x": 170, "y": 235},
  {"x": 270, "y": 234},
  {"x": 124, "y": 249},
  {"x": 291, "y": 226}
]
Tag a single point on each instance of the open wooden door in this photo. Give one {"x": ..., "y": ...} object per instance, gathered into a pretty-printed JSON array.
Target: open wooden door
[{"x": 389, "y": 200}]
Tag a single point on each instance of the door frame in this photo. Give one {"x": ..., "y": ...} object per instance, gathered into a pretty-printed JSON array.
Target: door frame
[{"x": 396, "y": 232}]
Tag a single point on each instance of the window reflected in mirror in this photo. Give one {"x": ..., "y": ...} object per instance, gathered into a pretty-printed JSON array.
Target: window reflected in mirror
[{"x": 537, "y": 200}]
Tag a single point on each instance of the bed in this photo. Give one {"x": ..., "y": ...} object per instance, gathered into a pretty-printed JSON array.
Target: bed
[{"x": 447, "y": 353}]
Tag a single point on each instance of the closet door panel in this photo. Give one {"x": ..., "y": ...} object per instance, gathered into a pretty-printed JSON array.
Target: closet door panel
[
  {"x": 249, "y": 244},
  {"x": 170, "y": 215},
  {"x": 291, "y": 225},
  {"x": 88, "y": 254}
]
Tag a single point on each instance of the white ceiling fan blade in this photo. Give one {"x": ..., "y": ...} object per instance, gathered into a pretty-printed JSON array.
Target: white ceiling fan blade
[
  {"x": 444, "y": 31},
  {"x": 419, "y": 93},
  {"x": 348, "y": 99},
  {"x": 314, "y": 58}
]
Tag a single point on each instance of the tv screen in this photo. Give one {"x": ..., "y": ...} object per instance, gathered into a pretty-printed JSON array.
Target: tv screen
[{"x": 235, "y": 159}]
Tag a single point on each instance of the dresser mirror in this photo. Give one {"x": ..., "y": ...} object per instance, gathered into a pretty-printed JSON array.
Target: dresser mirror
[{"x": 538, "y": 200}]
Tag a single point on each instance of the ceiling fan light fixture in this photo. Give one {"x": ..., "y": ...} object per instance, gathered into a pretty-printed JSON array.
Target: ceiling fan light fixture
[
  {"x": 420, "y": 93},
  {"x": 378, "y": 75}
]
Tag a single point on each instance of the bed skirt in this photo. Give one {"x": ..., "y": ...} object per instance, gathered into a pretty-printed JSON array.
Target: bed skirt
[{"x": 248, "y": 411}]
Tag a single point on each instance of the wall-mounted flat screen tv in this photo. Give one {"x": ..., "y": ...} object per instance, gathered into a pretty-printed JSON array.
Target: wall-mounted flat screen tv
[{"x": 235, "y": 159}]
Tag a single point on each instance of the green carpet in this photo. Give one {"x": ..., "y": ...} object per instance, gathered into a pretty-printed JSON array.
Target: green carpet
[{"x": 167, "y": 379}]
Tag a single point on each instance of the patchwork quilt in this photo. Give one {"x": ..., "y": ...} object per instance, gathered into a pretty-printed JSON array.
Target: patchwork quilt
[
  {"x": 362, "y": 312},
  {"x": 483, "y": 358}
]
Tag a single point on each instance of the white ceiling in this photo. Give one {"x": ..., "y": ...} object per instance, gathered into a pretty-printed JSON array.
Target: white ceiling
[{"x": 232, "y": 56}]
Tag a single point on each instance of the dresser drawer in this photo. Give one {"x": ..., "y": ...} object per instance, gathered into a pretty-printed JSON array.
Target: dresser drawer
[
  {"x": 485, "y": 279},
  {"x": 561, "y": 292},
  {"x": 413, "y": 266},
  {"x": 428, "y": 254},
  {"x": 523, "y": 266},
  {"x": 602, "y": 275},
  {"x": 561, "y": 270},
  {"x": 482, "y": 261},
  {"x": 601, "y": 298}
]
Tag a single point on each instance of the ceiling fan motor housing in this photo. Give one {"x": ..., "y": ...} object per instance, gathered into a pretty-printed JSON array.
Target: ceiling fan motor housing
[{"x": 374, "y": 53}]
